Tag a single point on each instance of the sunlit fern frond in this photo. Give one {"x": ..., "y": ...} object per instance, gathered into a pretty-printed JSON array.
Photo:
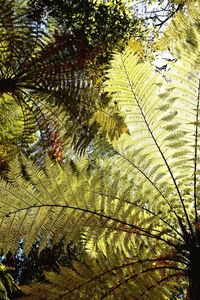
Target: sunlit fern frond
[
  {"x": 135, "y": 217},
  {"x": 118, "y": 234},
  {"x": 45, "y": 72},
  {"x": 182, "y": 33},
  {"x": 139, "y": 279},
  {"x": 138, "y": 212},
  {"x": 110, "y": 122},
  {"x": 11, "y": 129},
  {"x": 162, "y": 126}
]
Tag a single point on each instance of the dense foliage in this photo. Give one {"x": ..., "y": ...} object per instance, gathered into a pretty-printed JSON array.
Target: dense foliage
[
  {"x": 100, "y": 25},
  {"x": 122, "y": 221}
]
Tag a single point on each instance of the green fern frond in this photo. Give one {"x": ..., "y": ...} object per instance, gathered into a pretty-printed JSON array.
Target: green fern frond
[
  {"x": 57, "y": 204},
  {"x": 182, "y": 34},
  {"x": 137, "y": 213},
  {"x": 111, "y": 123},
  {"x": 135, "y": 89},
  {"x": 97, "y": 281},
  {"x": 46, "y": 73}
]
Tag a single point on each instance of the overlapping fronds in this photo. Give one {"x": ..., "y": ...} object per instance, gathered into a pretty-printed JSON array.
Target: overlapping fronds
[
  {"x": 136, "y": 223},
  {"x": 8, "y": 288},
  {"x": 182, "y": 34},
  {"x": 45, "y": 73},
  {"x": 138, "y": 212},
  {"x": 156, "y": 131},
  {"x": 10, "y": 129},
  {"x": 137, "y": 282},
  {"x": 126, "y": 242},
  {"x": 130, "y": 220}
]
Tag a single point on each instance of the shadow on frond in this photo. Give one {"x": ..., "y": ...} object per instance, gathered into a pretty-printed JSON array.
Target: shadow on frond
[
  {"x": 45, "y": 74},
  {"x": 137, "y": 211}
]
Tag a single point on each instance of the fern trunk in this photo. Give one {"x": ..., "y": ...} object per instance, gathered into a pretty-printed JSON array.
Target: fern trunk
[
  {"x": 194, "y": 274},
  {"x": 194, "y": 289}
]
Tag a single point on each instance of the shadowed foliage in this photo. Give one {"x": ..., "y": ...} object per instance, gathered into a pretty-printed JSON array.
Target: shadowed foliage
[
  {"x": 136, "y": 212},
  {"x": 45, "y": 84}
]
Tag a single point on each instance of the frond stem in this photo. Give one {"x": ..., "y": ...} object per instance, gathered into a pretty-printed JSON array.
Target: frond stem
[
  {"x": 142, "y": 231},
  {"x": 160, "y": 151},
  {"x": 115, "y": 268},
  {"x": 162, "y": 280},
  {"x": 152, "y": 183},
  {"x": 196, "y": 155},
  {"x": 111, "y": 290},
  {"x": 142, "y": 208}
]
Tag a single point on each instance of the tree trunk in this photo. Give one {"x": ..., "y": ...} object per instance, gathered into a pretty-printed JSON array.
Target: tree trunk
[
  {"x": 194, "y": 274},
  {"x": 194, "y": 290}
]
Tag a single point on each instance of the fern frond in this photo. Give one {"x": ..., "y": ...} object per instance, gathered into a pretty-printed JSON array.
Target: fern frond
[
  {"x": 96, "y": 281},
  {"x": 137, "y": 213},
  {"x": 182, "y": 34},
  {"x": 46, "y": 73},
  {"x": 118, "y": 232},
  {"x": 111, "y": 123},
  {"x": 136, "y": 90}
]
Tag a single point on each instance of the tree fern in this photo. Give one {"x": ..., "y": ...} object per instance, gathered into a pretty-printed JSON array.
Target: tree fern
[
  {"x": 137, "y": 213},
  {"x": 57, "y": 205},
  {"x": 45, "y": 73}
]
